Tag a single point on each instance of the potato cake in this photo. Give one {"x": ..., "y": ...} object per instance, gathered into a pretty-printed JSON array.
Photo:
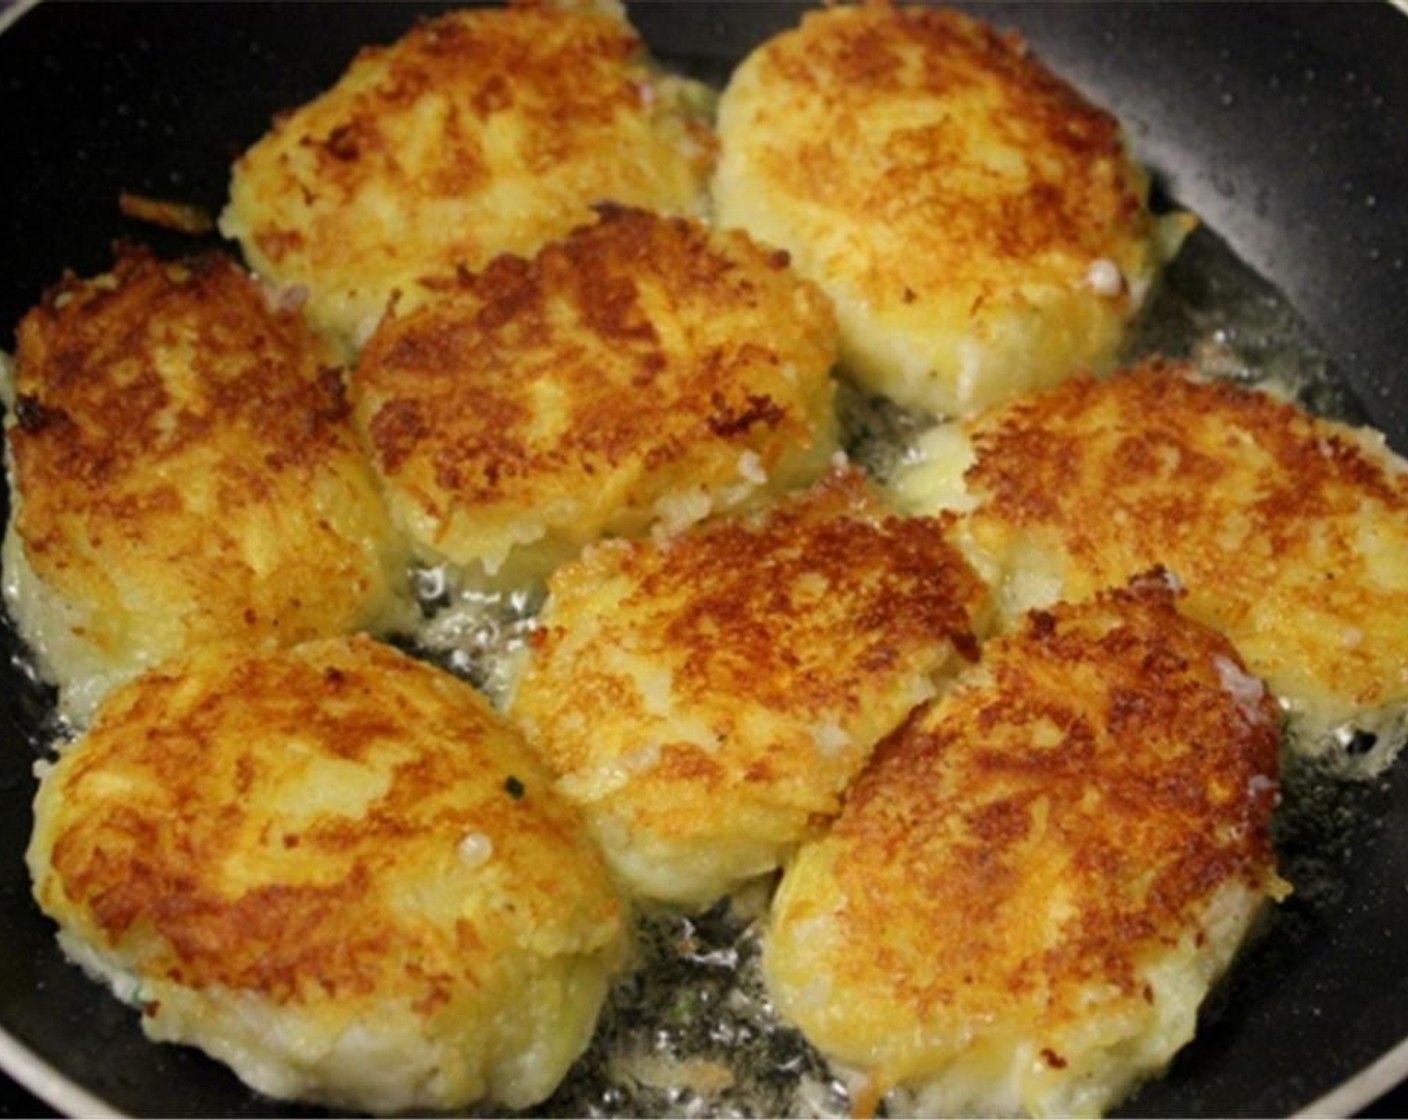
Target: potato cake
[
  {"x": 1289, "y": 532},
  {"x": 707, "y": 699},
  {"x": 979, "y": 225},
  {"x": 642, "y": 371},
  {"x": 480, "y": 132},
  {"x": 184, "y": 469},
  {"x": 1033, "y": 884},
  {"x": 337, "y": 870}
]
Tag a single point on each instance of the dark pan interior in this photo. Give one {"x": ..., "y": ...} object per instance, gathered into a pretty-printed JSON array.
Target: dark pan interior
[{"x": 1284, "y": 126}]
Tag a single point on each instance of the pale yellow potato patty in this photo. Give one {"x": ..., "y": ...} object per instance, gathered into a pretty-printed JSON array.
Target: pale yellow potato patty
[
  {"x": 1033, "y": 884},
  {"x": 708, "y": 699},
  {"x": 1289, "y": 532},
  {"x": 479, "y": 132},
  {"x": 337, "y": 870},
  {"x": 643, "y": 371},
  {"x": 979, "y": 224},
  {"x": 184, "y": 470}
]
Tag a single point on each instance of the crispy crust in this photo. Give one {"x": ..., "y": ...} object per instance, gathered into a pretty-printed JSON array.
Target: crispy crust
[
  {"x": 185, "y": 465},
  {"x": 95, "y": 406},
  {"x": 949, "y": 192},
  {"x": 1289, "y": 532},
  {"x": 183, "y": 819},
  {"x": 288, "y": 830},
  {"x": 574, "y": 394},
  {"x": 754, "y": 661},
  {"x": 850, "y": 59},
  {"x": 1018, "y": 857},
  {"x": 478, "y": 132}
]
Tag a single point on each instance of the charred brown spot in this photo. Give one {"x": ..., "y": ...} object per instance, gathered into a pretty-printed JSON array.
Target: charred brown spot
[
  {"x": 277, "y": 243},
  {"x": 33, "y": 416},
  {"x": 330, "y": 382},
  {"x": 727, "y": 421},
  {"x": 397, "y": 430},
  {"x": 494, "y": 96},
  {"x": 343, "y": 142}
]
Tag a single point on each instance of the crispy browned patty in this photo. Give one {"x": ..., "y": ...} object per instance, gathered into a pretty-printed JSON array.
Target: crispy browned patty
[
  {"x": 1289, "y": 532},
  {"x": 479, "y": 132},
  {"x": 708, "y": 699},
  {"x": 978, "y": 222},
  {"x": 1031, "y": 887},
  {"x": 184, "y": 470},
  {"x": 642, "y": 371},
  {"x": 336, "y": 869}
]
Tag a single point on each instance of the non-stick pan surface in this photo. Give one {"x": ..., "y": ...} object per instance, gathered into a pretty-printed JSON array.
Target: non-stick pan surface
[{"x": 1284, "y": 126}]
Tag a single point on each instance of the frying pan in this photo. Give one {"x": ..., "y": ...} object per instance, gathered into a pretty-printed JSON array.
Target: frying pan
[{"x": 1284, "y": 126}]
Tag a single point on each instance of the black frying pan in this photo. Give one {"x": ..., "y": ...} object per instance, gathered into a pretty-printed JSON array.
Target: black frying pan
[{"x": 1284, "y": 126}]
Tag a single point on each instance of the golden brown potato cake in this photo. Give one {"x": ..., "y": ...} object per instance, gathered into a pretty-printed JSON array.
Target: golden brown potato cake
[
  {"x": 337, "y": 870},
  {"x": 979, "y": 224},
  {"x": 641, "y": 371},
  {"x": 708, "y": 699},
  {"x": 184, "y": 469},
  {"x": 1033, "y": 884},
  {"x": 1289, "y": 532},
  {"x": 480, "y": 132}
]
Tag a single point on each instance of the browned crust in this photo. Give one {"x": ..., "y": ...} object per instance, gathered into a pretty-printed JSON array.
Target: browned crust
[
  {"x": 170, "y": 844},
  {"x": 91, "y": 402},
  {"x": 1076, "y": 188},
  {"x": 493, "y": 63},
  {"x": 1028, "y": 454},
  {"x": 163, "y": 408},
  {"x": 813, "y": 613},
  {"x": 477, "y": 132},
  {"x": 742, "y": 605},
  {"x": 649, "y": 337},
  {"x": 1286, "y": 529},
  {"x": 969, "y": 828}
]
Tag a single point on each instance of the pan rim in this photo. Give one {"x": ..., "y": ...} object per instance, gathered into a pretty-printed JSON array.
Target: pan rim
[
  {"x": 51, "y": 1085},
  {"x": 1368, "y": 1085}
]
